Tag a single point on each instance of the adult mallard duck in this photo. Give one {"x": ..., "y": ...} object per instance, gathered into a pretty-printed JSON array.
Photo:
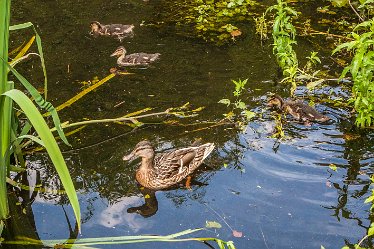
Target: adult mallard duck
[
  {"x": 297, "y": 109},
  {"x": 136, "y": 59},
  {"x": 163, "y": 170},
  {"x": 119, "y": 30}
]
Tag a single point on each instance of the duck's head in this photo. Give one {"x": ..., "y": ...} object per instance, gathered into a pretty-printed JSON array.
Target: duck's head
[
  {"x": 119, "y": 51},
  {"x": 275, "y": 101},
  {"x": 143, "y": 149},
  {"x": 95, "y": 27}
]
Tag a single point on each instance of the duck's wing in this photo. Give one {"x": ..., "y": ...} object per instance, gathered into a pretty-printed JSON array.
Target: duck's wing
[
  {"x": 174, "y": 162},
  {"x": 308, "y": 112},
  {"x": 182, "y": 161},
  {"x": 139, "y": 58}
]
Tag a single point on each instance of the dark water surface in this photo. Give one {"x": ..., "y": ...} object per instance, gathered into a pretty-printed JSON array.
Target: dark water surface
[{"x": 278, "y": 194}]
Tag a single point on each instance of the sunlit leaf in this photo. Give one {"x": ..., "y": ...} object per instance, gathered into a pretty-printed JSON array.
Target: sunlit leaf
[
  {"x": 313, "y": 84},
  {"x": 212, "y": 224},
  {"x": 333, "y": 167},
  {"x": 225, "y": 102},
  {"x": 371, "y": 230},
  {"x": 339, "y": 3}
]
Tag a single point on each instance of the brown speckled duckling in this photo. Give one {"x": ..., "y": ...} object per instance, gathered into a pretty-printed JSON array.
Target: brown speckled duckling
[
  {"x": 297, "y": 109},
  {"x": 136, "y": 59},
  {"x": 119, "y": 30},
  {"x": 163, "y": 170}
]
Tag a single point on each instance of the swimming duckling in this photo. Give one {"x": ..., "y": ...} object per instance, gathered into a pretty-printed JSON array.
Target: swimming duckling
[
  {"x": 136, "y": 59},
  {"x": 119, "y": 30},
  {"x": 297, "y": 109}
]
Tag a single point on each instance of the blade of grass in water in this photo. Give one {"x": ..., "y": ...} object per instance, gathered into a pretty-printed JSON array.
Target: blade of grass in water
[
  {"x": 40, "y": 50},
  {"x": 5, "y": 107},
  {"x": 88, "y": 242},
  {"x": 84, "y": 92},
  {"x": 36, "y": 119},
  {"x": 41, "y": 102}
]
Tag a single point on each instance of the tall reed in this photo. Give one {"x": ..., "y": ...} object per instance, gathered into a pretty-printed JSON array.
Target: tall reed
[
  {"x": 5, "y": 106},
  {"x": 10, "y": 139}
]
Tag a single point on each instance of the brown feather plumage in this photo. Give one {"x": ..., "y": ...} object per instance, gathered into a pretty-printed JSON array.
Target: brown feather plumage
[{"x": 163, "y": 170}]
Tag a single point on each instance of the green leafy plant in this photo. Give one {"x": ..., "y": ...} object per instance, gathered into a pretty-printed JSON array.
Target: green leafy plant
[
  {"x": 361, "y": 69},
  {"x": 284, "y": 37},
  {"x": 13, "y": 131},
  {"x": 240, "y": 114},
  {"x": 213, "y": 21},
  {"x": 261, "y": 27}
]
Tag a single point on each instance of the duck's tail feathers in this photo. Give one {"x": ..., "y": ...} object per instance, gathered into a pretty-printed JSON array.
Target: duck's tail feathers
[{"x": 208, "y": 148}]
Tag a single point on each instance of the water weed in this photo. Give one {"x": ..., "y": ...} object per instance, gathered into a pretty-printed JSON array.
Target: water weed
[
  {"x": 284, "y": 34},
  {"x": 239, "y": 114}
]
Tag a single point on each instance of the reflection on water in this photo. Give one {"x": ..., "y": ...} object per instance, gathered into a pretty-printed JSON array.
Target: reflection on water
[
  {"x": 279, "y": 193},
  {"x": 150, "y": 206},
  {"x": 117, "y": 214}
]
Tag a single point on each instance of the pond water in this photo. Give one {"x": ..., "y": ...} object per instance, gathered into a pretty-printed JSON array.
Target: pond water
[{"x": 279, "y": 194}]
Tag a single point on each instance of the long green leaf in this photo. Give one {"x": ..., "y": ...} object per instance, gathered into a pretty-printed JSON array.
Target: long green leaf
[
  {"x": 40, "y": 50},
  {"x": 5, "y": 106},
  {"x": 41, "y": 102},
  {"x": 36, "y": 119}
]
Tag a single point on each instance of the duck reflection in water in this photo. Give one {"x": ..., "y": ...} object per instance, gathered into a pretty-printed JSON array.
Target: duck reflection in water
[{"x": 150, "y": 206}]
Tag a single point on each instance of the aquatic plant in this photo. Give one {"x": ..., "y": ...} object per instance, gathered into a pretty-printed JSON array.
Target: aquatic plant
[
  {"x": 213, "y": 21},
  {"x": 13, "y": 131},
  {"x": 90, "y": 242},
  {"x": 261, "y": 27},
  {"x": 361, "y": 69},
  {"x": 244, "y": 115},
  {"x": 284, "y": 37}
]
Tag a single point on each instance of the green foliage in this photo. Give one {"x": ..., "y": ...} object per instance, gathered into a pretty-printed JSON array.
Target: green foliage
[
  {"x": 49, "y": 142},
  {"x": 361, "y": 69},
  {"x": 261, "y": 27},
  {"x": 339, "y": 3},
  {"x": 5, "y": 108},
  {"x": 284, "y": 37},
  {"x": 10, "y": 136},
  {"x": 213, "y": 21},
  {"x": 244, "y": 115}
]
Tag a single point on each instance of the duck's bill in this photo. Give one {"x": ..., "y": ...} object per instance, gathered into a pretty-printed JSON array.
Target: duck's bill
[
  {"x": 130, "y": 157},
  {"x": 114, "y": 54}
]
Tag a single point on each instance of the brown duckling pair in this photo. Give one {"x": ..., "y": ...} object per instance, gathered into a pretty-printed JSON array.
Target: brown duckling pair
[
  {"x": 300, "y": 111},
  {"x": 122, "y": 31}
]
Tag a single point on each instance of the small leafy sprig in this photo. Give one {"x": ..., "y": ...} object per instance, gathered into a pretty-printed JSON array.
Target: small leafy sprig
[{"x": 244, "y": 115}]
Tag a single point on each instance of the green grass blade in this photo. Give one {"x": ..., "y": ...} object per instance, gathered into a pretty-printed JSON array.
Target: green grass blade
[
  {"x": 40, "y": 50},
  {"x": 5, "y": 106},
  {"x": 33, "y": 138},
  {"x": 36, "y": 119},
  {"x": 41, "y": 102}
]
